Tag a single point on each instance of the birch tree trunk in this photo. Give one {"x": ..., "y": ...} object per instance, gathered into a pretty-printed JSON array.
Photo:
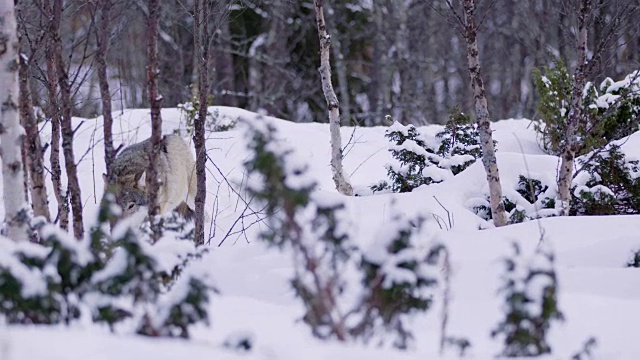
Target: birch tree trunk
[
  {"x": 342, "y": 184},
  {"x": 155, "y": 100},
  {"x": 201, "y": 40},
  {"x": 575, "y": 116},
  {"x": 66, "y": 125},
  {"x": 482, "y": 115},
  {"x": 11, "y": 132},
  {"x": 33, "y": 145},
  {"x": 53, "y": 110},
  {"x": 104, "y": 30}
]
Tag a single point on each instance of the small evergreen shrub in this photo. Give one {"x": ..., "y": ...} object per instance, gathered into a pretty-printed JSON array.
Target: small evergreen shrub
[
  {"x": 517, "y": 216},
  {"x": 214, "y": 122},
  {"x": 619, "y": 104},
  {"x": 116, "y": 277},
  {"x": 398, "y": 277},
  {"x": 482, "y": 208},
  {"x": 303, "y": 223},
  {"x": 24, "y": 290},
  {"x": 530, "y": 302},
  {"x": 586, "y": 352},
  {"x": 183, "y": 306},
  {"x": 239, "y": 341},
  {"x": 612, "y": 188},
  {"x": 412, "y": 156},
  {"x": 634, "y": 261},
  {"x": 554, "y": 91},
  {"x": 418, "y": 163},
  {"x": 611, "y": 113},
  {"x": 516, "y": 213},
  {"x": 530, "y": 189},
  {"x": 532, "y": 199},
  {"x": 460, "y": 144},
  {"x": 314, "y": 228},
  {"x": 461, "y": 344}
]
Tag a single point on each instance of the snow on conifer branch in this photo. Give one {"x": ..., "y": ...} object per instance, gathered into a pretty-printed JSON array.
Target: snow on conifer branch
[
  {"x": 530, "y": 289},
  {"x": 349, "y": 294}
]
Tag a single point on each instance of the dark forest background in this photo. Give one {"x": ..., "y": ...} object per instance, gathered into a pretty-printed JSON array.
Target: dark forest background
[{"x": 398, "y": 57}]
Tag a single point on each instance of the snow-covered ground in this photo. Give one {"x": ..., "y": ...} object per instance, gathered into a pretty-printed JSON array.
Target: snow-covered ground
[{"x": 598, "y": 295}]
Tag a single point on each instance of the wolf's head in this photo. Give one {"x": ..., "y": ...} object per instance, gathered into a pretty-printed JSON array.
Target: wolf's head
[
  {"x": 129, "y": 193},
  {"x": 131, "y": 200}
]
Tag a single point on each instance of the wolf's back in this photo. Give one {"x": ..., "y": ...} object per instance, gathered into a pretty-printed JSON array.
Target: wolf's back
[
  {"x": 179, "y": 174},
  {"x": 176, "y": 170},
  {"x": 131, "y": 162}
]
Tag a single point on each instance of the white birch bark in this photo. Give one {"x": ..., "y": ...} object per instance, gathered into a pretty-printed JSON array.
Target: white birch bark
[
  {"x": 11, "y": 132},
  {"x": 342, "y": 184},
  {"x": 565, "y": 174},
  {"x": 482, "y": 114}
]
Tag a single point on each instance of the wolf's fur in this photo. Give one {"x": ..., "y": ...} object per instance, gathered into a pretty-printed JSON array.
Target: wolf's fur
[{"x": 176, "y": 174}]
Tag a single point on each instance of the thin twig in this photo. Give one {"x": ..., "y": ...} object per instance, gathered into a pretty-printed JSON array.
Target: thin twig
[{"x": 449, "y": 216}]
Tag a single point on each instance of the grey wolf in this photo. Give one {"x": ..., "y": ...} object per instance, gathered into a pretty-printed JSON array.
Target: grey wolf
[{"x": 176, "y": 176}]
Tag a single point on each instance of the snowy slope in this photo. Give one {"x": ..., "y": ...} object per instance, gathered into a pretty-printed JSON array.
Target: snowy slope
[{"x": 598, "y": 295}]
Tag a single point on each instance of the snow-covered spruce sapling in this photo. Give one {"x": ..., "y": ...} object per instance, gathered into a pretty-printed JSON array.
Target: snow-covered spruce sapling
[
  {"x": 611, "y": 111},
  {"x": 417, "y": 163},
  {"x": 619, "y": 103},
  {"x": 312, "y": 227},
  {"x": 516, "y": 213},
  {"x": 68, "y": 268},
  {"x": 190, "y": 111},
  {"x": 399, "y": 276},
  {"x": 613, "y": 185},
  {"x": 130, "y": 273},
  {"x": 530, "y": 288},
  {"x": 460, "y": 142},
  {"x": 24, "y": 291},
  {"x": 482, "y": 208},
  {"x": 586, "y": 352},
  {"x": 185, "y": 287},
  {"x": 533, "y": 190},
  {"x": 302, "y": 223},
  {"x": 634, "y": 261},
  {"x": 180, "y": 232},
  {"x": 530, "y": 189},
  {"x": 61, "y": 266},
  {"x": 134, "y": 282},
  {"x": 554, "y": 89},
  {"x": 56, "y": 281},
  {"x": 185, "y": 304},
  {"x": 239, "y": 341},
  {"x": 412, "y": 156}
]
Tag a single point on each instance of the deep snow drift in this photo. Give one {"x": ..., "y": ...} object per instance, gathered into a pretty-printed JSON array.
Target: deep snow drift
[{"x": 598, "y": 295}]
